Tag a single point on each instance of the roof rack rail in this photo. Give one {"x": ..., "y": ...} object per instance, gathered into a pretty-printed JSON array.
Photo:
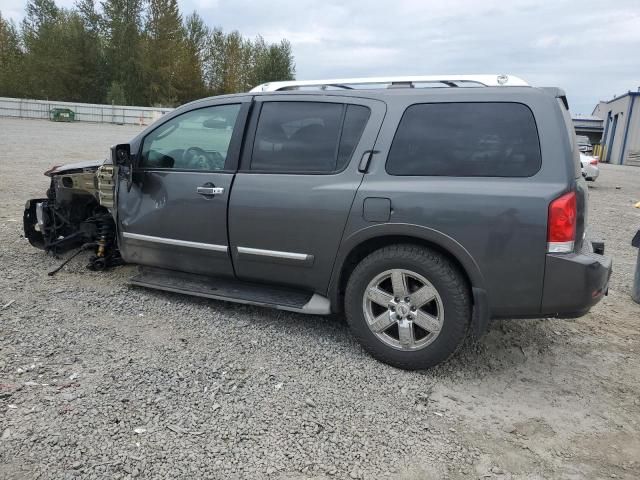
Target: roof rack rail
[{"x": 395, "y": 82}]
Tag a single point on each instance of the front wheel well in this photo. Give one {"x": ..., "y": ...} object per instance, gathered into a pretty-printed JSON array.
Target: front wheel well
[{"x": 363, "y": 249}]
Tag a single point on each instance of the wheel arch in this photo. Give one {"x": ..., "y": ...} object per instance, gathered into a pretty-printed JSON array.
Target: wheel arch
[{"x": 361, "y": 243}]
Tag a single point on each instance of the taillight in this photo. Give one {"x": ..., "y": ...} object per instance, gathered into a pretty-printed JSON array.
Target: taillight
[
  {"x": 561, "y": 228},
  {"x": 594, "y": 161}
]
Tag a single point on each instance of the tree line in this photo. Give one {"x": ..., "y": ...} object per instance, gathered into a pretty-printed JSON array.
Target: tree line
[{"x": 130, "y": 52}]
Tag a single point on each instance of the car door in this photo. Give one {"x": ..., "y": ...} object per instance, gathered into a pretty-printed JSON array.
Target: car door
[
  {"x": 298, "y": 178},
  {"x": 173, "y": 214}
]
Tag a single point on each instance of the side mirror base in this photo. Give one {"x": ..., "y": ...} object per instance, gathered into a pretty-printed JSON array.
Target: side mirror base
[{"x": 122, "y": 155}]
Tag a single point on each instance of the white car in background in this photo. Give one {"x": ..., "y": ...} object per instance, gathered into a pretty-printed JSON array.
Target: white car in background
[{"x": 590, "y": 170}]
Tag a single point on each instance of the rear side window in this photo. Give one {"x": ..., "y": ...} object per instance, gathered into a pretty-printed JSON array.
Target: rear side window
[
  {"x": 307, "y": 137},
  {"x": 466, "y": 140},
  {"x": 355, "y": 120}
]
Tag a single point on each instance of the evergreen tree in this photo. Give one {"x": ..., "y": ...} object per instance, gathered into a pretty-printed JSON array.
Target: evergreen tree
[
  {"x": 93, "y": 53},
  {"x": 275, "y": 62},
  {"x": 191, "y": 69},
  {"x": 123, "y": 47},
  {"x": 213, "y": 63},
  {"x": 90, "y": 16},
  {"x": 233, "y": 64},
  {"x": 42, "y": 46},
  {"x": 11, "y": 59},
  {"x": 164, "y": 47},
  {"x": 82, "y": 66},
  {"x": 232, "y": 67},
  {"x": 40, "y": 14}
]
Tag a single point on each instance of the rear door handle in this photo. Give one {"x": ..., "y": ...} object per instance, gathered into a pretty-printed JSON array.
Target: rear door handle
[
  {"x": 365, "y": 161},
  {"x": 210, "y": 190}
]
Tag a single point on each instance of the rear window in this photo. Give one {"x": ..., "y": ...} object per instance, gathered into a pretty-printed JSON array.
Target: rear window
[{"x": 466, "y": 140}]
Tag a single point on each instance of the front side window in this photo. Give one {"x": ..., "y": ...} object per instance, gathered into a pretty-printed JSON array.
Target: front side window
[
  {"x": 466, "y": 140},
  {"x": 195, "y": 140},
  {"x": 307, "y": 137}
]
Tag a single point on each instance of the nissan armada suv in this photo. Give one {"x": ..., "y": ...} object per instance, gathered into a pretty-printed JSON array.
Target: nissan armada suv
[{"x": 421, "y": 207}]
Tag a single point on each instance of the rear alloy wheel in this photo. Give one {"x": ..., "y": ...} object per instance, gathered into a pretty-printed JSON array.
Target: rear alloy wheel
[
  {"x": 403, "y": 309},
  {"x": 408, "y": 306}
]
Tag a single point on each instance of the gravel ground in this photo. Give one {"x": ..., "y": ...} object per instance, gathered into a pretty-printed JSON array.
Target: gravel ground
[{"x": 102, "y": 380}]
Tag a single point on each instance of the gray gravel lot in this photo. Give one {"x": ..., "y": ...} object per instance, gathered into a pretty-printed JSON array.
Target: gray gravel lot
[{"x": 102, "y": 380}]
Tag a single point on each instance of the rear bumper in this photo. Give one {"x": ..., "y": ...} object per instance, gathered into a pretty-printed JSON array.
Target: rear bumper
[
  {"x": 592, "y": 172},
  {"x": 573, "y": 283}
]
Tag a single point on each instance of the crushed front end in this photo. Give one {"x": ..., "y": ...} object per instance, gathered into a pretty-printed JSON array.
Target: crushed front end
[{"x": 77, "y": 213}]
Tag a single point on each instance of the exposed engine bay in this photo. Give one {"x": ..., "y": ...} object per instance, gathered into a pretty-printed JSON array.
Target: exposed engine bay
[{"x": 76, "y": 214}]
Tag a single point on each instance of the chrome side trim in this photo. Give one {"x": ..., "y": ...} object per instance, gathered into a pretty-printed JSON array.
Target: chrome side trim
[
  {"x": 173, "y": 241},
  {"x": 303, "y": 257}
]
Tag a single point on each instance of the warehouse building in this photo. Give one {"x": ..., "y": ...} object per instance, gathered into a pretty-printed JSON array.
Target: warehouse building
[
  {"x": 589, "y": 126},
  {"x": 621, "y": 137}
]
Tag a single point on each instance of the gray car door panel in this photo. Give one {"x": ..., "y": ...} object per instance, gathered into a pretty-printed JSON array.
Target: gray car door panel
[
  {"x": 166, "y": 223},
  {"x": 176, "y": 218},
  {"x": 286, "y": 227}
]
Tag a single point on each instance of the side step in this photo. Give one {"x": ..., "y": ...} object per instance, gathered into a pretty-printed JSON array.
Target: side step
[{"x": 232, "y": 290}]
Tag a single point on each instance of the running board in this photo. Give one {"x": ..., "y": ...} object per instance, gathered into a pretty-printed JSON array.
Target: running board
[{"x": 232, "y": 290}]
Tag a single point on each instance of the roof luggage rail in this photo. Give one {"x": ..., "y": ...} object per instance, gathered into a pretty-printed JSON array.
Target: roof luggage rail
[{"x": 396, "y": 82}]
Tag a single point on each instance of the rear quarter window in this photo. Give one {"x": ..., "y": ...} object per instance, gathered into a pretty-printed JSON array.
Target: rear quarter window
[
  {"x": 571, "y": 133},
  {"x": 466, "y": 140}
]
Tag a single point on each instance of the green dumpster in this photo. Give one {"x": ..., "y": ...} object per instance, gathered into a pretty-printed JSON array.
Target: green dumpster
[{"x": 62, "y": 115}]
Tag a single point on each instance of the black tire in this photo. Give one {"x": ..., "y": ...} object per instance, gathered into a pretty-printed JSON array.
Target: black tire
[{"x": 450, "y": 284}]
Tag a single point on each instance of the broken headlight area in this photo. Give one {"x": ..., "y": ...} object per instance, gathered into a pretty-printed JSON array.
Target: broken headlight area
[{"x": 72, "y": 217}]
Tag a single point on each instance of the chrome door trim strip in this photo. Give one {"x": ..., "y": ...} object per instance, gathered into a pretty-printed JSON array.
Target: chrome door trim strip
[
  {"x": 302, "y": 257},
  {"x": 173, "y": 241}
]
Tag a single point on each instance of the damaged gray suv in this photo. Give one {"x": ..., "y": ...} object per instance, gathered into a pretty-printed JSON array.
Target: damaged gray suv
[{"x": 421, "y": 207}]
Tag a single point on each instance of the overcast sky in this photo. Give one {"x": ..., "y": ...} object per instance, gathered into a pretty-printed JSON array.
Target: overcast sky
[{"x": 589, "y": 48}]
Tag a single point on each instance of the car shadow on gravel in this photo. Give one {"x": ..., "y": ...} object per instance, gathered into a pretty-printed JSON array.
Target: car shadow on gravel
[{"x": 506, "y": 345}]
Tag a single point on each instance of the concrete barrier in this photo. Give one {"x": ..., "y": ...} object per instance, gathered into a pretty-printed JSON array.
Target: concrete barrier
[{"x": 84, "y": 112}]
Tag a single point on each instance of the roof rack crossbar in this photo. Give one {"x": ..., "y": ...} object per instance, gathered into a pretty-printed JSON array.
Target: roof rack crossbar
[{"x": 449, "y": 80}]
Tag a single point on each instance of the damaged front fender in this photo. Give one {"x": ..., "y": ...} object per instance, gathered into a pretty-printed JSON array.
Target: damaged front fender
[{"x": 77, "y": 212}]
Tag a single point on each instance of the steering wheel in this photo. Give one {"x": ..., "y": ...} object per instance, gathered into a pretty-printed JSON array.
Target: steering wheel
[{"x": 197, "y": 159}]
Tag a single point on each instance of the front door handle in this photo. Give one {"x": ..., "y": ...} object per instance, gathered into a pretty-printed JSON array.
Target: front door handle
[{"x": 210, "y": 190}]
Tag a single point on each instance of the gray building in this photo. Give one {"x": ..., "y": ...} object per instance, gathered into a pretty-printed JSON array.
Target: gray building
[
  {"x": 589, "y": 126},
  {"x": 621, "y": 137}
]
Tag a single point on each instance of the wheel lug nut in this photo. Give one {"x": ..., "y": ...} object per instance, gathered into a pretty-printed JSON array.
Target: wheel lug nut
[
  {"x": 396, "y": 299},
  {"x": 392, "y": 308},
  {"x": 413, "y": 309},
  {"x": 406, "y": 299},
  {"x": 410, "y": 317}
]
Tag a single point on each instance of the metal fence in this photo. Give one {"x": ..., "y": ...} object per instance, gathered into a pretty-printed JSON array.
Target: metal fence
[{"x": 84, "y": 112}]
